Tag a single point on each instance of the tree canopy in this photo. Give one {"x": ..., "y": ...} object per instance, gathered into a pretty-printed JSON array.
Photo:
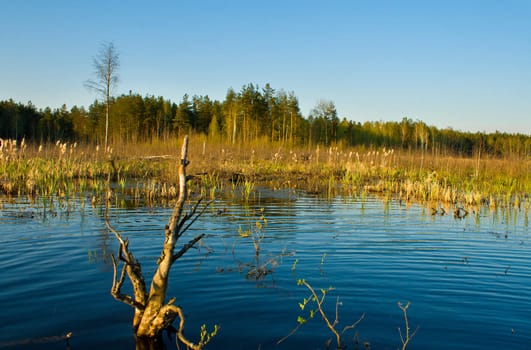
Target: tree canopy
[{"x": 248, "y": 115}]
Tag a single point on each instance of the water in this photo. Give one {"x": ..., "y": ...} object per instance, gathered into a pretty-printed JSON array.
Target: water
[{"x": 469, "y": 281}]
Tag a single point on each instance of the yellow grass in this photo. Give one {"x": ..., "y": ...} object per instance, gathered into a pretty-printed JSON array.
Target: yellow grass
[{"x": 63, "y": 168}]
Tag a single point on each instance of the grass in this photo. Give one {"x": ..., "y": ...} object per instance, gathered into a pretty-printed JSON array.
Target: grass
[{"x": 148, "y": 171}]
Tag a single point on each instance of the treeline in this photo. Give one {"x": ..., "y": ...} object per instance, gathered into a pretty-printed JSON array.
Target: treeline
[{"x": 250, "y": 114}]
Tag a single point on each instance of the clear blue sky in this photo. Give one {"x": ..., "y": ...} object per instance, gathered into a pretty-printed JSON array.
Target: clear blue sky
[{"x": 463, "y": 64}]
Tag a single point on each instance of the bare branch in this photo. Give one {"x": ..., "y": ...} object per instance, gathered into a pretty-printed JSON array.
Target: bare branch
[
  {"x": 336, "y": 321},
  {"x": 408, "y": 337},
  {"x": 152, "y": 314},
  {"x": 150, "y": 325},
  {"x": 93, "y": 85},
  {"x": 117, "y": 234},
  {"x": 117, "y": 285},
  {"x": 178, "y": 209},
  {"x": 179, "y": 229},
  {"x": 180, "y": 331},
  {"x": 191, "y": 215},
  {"x": 132, "y": 267},
  {"x": 354, "y": 325},
  {"x": 187, "y": 246},
  {"x": 293, "y": 331},
  {"x": 321, "y": 311},
  {"x": 319, "y": 302}
]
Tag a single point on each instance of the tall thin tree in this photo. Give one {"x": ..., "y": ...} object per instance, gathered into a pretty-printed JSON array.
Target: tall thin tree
[
  {"x": 106, "y": 64},
  {"x": 325, "y": 112}
]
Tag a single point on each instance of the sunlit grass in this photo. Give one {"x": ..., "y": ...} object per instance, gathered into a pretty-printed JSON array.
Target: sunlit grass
[{"x": 148, "y": 171}]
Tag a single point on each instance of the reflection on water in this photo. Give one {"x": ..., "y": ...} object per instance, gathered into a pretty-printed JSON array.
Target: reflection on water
[{"x": 467, "y": 279}]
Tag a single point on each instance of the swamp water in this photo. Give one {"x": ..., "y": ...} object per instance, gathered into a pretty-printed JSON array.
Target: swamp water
[{"x": 468, "y": 280}]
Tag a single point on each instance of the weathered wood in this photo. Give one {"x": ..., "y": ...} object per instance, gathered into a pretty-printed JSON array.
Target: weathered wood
[
  {"x": 131, "y": 266},
  {"x": 155, "y": 315},
  {"x": 152, "y": 313}
]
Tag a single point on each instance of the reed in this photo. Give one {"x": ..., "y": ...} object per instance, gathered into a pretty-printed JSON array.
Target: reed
[{"x": 66, "y": 168}]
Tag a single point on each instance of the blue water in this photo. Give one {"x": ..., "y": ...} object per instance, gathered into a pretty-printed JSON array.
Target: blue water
[{"x": 468, "y": 281}]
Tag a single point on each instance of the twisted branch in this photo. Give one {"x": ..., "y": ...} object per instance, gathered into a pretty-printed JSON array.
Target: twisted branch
[
  {"x": 117, "y": 285},
  {"x": 131, "y": 266},
  {"x": 152, "y": 314}
]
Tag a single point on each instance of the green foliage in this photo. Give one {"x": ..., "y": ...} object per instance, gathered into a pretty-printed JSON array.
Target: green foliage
[
  {"x": 205, "y": 336},
  {"x": 247, "y": 189},
  {"x": 314, "y": 305},
  {"x": 294, "y": 266},
  {"x": 250, "y": 115}
]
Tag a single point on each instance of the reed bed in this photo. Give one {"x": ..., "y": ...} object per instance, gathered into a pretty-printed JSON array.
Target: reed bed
[{"x": 148, "y": 172}]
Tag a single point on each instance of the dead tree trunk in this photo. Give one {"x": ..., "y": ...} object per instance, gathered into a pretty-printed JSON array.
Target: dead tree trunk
[{"x": 152, "y": 313}]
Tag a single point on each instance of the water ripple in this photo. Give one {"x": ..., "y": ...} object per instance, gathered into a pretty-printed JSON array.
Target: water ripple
[{"x": 468, "y": 280}]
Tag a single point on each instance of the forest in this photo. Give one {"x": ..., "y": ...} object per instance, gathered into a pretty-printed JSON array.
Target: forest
[{"x": 251, "y": 114}]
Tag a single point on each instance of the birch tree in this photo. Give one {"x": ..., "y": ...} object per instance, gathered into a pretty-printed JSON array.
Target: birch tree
[{"x": 106, "y": 64}]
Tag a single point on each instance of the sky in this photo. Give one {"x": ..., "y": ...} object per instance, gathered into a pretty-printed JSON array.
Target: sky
[{"x": 463, "y": 64}]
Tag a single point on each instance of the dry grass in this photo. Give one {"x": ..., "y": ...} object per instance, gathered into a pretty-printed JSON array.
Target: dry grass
[{"x": 62, "y": 168}]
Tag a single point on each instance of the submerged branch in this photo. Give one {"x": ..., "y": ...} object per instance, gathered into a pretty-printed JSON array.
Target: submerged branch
[
  {"x": 319, "y": 303},
  {"x": 405, "y": 340},
  {"x": 354, "y": 325},
  {"x": 293, "y": 331},
  {"x": 187, "y": 246},
  {"x": 192, "y": 216}
]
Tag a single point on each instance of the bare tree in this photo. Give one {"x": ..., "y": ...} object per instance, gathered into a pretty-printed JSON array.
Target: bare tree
[
  {"x": 106, "y": 64},
  {"x": 152, "y": 313}
]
